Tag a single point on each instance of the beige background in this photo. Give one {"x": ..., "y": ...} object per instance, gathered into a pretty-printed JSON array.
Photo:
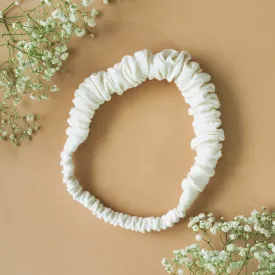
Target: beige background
[{"x": 138, "y": 150}]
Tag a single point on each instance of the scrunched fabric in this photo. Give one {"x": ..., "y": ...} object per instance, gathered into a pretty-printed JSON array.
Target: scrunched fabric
[{"x": 197, "y": 91}]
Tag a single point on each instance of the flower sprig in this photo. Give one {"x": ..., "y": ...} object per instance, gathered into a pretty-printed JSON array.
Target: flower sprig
[
  {"x": 243, "y": 241},
  {"x": 37, "y": 44}
]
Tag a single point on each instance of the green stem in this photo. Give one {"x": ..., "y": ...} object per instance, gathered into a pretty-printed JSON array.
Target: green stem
[
  {"x": 190, "y": 268},
  {"x": 221, "y": 239},
  {"x": 4, "y": 63},
  {"x": 10, "y": 57},
  {"x": 33, "y": 20},
  {"x": 11, "y": 17},
  {"x": 209, "y": 243},
  {"x": 30, "y": 11},
  {"x": 28, "y": 54},
  {"x": 246, "y": 260},
  {"x": 7, "y": 8},
  {"x": 5, "y": 34},
  {"x": 245, "y": 263},
  {"x": 7, "y": 27}
]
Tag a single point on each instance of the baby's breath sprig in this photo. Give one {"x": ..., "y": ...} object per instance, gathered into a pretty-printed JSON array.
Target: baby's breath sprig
[
  {"x": 242, "y": 241},
  {"x": 36, "y": 41}
]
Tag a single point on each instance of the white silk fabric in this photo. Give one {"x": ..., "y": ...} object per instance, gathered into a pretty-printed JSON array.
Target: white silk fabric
[{"x": 197, "y": 91}]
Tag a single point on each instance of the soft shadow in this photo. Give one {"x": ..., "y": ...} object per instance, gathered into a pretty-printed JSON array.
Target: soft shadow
[
  {"x": 105, "y": 116},
  {"x": 232, "y": 146},
  {"x": 102, "y": 120},
  {"x": 86, "y": 157}
]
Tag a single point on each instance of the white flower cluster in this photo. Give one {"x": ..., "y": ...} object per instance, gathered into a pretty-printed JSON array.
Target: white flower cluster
[
  {"x": 242, "y": 240},
  {"x": 37, "y": 45}
]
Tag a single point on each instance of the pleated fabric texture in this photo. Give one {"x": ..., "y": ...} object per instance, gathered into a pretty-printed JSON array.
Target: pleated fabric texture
[{"x": 197, "y": 91}]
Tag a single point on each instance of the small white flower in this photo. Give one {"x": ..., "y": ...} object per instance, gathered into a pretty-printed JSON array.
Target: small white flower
[
  {"x": 106, "y": 2},
  {"x": 17, "y": 3},
  {"x": 234, "y": 224},
  {"x": 80, "y": 32},
  {"x": 201, "y": 215},
  {"x": 20, "y": 86},
  {"x": 67, "y": 27},
  {"x": 225, "y": 228},
  {"x": 86, "y": 3},
  {"x": 43, "y": 23},
  {"x": 1, "y": 14},
  {"x": 91, "y": 23},
  {"x": 63, "y": 48},
  {"x": 64, "y": 56},
  {"x": 25, "y": 78},
  {"x": 45, "y": 97},
  {"x": 180, "y": 272},
  {"x": 54, "y": 88},
  {"x": 231, "y": 247},
  {"x": 4, "y": 133},
  {"x": 21, "y": 43},
  {"x": 164, "y": 261},
  {"x": 48, "y": 2},
  {"x": 73, "y": 17},
  {"x": 247, "y": 228},
  {"x": 199, "y": 237},
  {"x": 213, "y": 230},
  {"x": 223, "y": 255},
  {"x": 29, "y": 131},
  {"x": 257, "y": 255},
  {"x": 33, "y": 97},
  {"x": 195, "y": 228},
  {"x": 242, "y": 252},
  {"x": 19, "y": 55},
  {"x": 192, "y": 221},
  {"x": 211, "y": 219},
  {"x": 28, "y": 46},
  {"x": 60, "y": 49},
  {"x": 254, "y": 212},
  {"x": 211, "y": 268},
  {"x": 55, "y": 60},
  {"x": 94, "y": 12},
  {"x": 47, "y": 54},
  {"x": 267, "y": 234},
  {"x": 256, "y": 227},
  {"x": 205, "y": 224},
  {"x": 58, "y": 14},
  {"x": 30, "y": 117},
  {"x": 73, "y": 7},
  {"x": 15, "y": 25},
  {"x": 192, "y": 246}
]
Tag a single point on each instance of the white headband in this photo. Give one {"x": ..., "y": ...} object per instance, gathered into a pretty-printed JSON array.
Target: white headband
[{"x": 130, "y": 72}]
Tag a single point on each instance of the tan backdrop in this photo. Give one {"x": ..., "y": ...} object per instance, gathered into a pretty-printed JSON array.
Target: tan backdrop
[{"x": 138, "y": 150}]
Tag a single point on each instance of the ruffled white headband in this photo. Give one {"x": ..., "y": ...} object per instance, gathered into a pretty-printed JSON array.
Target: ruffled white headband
[{"x": 131, "y": 71}]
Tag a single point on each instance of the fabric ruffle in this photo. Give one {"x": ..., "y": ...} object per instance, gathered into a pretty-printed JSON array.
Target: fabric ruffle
[{"x": 197, "y": 91}]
